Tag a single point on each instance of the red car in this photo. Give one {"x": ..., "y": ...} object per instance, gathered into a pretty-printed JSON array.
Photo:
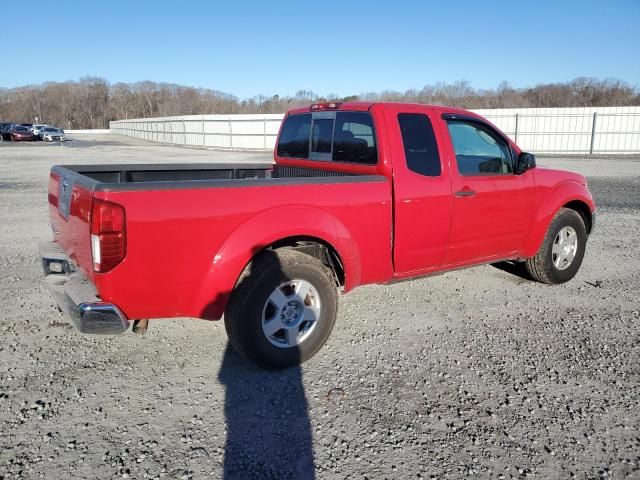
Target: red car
[
  {"x": 360, "y": 193},
  {"x": 21, "y": 134}
]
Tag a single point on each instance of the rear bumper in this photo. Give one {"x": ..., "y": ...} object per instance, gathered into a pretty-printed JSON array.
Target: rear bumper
[{"x": 77, "y": 296}]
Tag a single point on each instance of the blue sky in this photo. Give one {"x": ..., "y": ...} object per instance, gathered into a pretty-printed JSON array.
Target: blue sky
[{"x": 342, "y": 47}]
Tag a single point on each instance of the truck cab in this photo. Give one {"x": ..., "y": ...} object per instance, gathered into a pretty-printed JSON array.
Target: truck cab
[{"x": 463, "y": 192}]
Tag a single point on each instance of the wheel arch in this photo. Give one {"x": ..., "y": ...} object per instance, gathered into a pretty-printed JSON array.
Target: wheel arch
[
  {"x": 569, "y": 194},
  {"x": 317, "y": 248},
  {"x": 584, "y": 211},
  {"x": 307, "y": 229}
]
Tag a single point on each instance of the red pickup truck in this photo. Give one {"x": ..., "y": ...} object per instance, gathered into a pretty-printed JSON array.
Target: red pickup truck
[{"x": 360, "y": 193}]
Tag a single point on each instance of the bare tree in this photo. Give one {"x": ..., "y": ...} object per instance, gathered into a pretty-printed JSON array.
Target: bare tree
[{"x": 92, "y": 102}]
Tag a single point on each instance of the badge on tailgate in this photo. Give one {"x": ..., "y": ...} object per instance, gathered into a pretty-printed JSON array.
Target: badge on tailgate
[{"x": 65, "y": 188}]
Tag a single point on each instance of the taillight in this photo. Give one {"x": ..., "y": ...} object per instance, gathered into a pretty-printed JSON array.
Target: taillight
[{"x": 108, "y": 235}]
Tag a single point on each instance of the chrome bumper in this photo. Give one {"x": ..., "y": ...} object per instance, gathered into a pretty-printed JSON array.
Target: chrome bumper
[{"x": 77, "y": 296}]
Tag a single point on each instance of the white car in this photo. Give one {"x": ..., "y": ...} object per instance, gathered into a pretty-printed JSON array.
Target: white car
[
  {"x": 51, "y": 134},
  {"x": 37, "y": 129}
]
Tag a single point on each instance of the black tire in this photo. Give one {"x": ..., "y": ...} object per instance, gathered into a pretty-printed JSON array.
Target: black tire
[
  {"x": 244, "y": 312},
  {"x": 542, "y": 267}
]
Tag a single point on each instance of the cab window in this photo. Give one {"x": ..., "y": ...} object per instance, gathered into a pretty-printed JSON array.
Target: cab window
[
  {"x": 353, "y": 139},
  {"x": 420, "y": 146},
  {"x": 294, "y": 138},
  {"x": 321, "y": 135},
  {"x": 479, "y": 151},
  {"x": 329, "y": 136}
]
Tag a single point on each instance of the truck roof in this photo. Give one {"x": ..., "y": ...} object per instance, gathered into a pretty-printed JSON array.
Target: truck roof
[{"x": 365, "y": 106}]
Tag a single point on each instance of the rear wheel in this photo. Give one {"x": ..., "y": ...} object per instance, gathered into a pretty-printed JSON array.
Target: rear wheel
[
  {"x": 283, "y": 309},
  {"x": 562, "y": 250}
]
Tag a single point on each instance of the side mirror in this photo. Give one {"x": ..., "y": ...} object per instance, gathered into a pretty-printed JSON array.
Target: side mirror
[{"x": 526, "y": 161}]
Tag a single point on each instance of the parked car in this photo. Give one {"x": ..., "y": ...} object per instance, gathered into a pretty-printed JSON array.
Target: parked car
[
  {"x": 36, "y": 129},
  {"x": 20, "y": 133},
  {"x": 51, "y": 134},
  {"x": 361, "y": 193},
  {"x": 28, "y": 125},
  {"x": 5, "y": 131}
]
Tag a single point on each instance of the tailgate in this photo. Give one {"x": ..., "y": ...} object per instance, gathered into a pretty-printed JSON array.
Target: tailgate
[{"x": 70, "y": 197}]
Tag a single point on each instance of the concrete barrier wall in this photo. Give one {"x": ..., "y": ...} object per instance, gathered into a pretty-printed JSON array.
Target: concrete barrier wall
[
  {"x": 570, "y": 130},
  {"x": 226, "y": 132},
  {"x": 596, "y": 130},
  {"x": 94, "y": 130}
]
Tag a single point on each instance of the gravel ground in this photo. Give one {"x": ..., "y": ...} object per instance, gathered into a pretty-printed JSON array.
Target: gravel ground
[{"x": 475, "y": 374}]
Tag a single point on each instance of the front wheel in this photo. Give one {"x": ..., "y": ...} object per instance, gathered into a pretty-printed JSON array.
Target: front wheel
[
  {"x": 282, "y": 310},
  {"x": 562, "y": 250}
]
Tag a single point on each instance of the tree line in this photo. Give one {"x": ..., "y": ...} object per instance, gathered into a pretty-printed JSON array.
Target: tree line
[{"x": 92, "y": 102}]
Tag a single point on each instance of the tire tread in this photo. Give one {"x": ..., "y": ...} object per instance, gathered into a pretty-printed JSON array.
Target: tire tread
[
  {"x": 260, "y": 268},
  {"x": 540, "y": 266}
]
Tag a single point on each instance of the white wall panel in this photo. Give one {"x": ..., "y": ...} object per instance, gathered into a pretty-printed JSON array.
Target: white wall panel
[{"x": 539, "y": 130}]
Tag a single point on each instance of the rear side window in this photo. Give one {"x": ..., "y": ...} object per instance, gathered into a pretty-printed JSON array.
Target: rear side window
[
  {"x": 420, "y": 146},
  {"x": 294, "y": 138},
  {"x": 329, "y": 136}
]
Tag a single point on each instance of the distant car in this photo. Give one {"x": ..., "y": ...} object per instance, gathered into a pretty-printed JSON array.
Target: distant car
[
  {"x": 28, "y": 125},
  {"x": 36, "y": 129},
  {"x": 21, "y": 133},
  {"x": 5, "y": 131},
  {"x": 51, "y": 134}
]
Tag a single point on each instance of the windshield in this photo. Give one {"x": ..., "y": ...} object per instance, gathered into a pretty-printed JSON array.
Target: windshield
[{"x": 21, "y": 129}]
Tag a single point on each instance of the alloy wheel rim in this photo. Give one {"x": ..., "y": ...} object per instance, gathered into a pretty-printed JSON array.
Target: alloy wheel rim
[
  {"x": 291, "y": 313},
  {"x": 565, "y": 247}
]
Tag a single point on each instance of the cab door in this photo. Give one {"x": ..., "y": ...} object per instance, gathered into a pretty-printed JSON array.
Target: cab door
[
  {"x": 492, "y": 206},
  {"x": 422, "y": 191}
]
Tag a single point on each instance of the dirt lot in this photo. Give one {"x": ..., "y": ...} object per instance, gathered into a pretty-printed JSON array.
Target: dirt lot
[{"x": 474, "y": 374}]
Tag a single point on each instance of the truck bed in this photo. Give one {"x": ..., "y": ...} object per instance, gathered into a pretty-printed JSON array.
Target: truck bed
[
  {"x": 191, "y": 228},
  {"x": 206, "y": 175}
]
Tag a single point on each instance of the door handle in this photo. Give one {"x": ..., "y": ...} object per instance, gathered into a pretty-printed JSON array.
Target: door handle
[{"x": 465, "y": 193}]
